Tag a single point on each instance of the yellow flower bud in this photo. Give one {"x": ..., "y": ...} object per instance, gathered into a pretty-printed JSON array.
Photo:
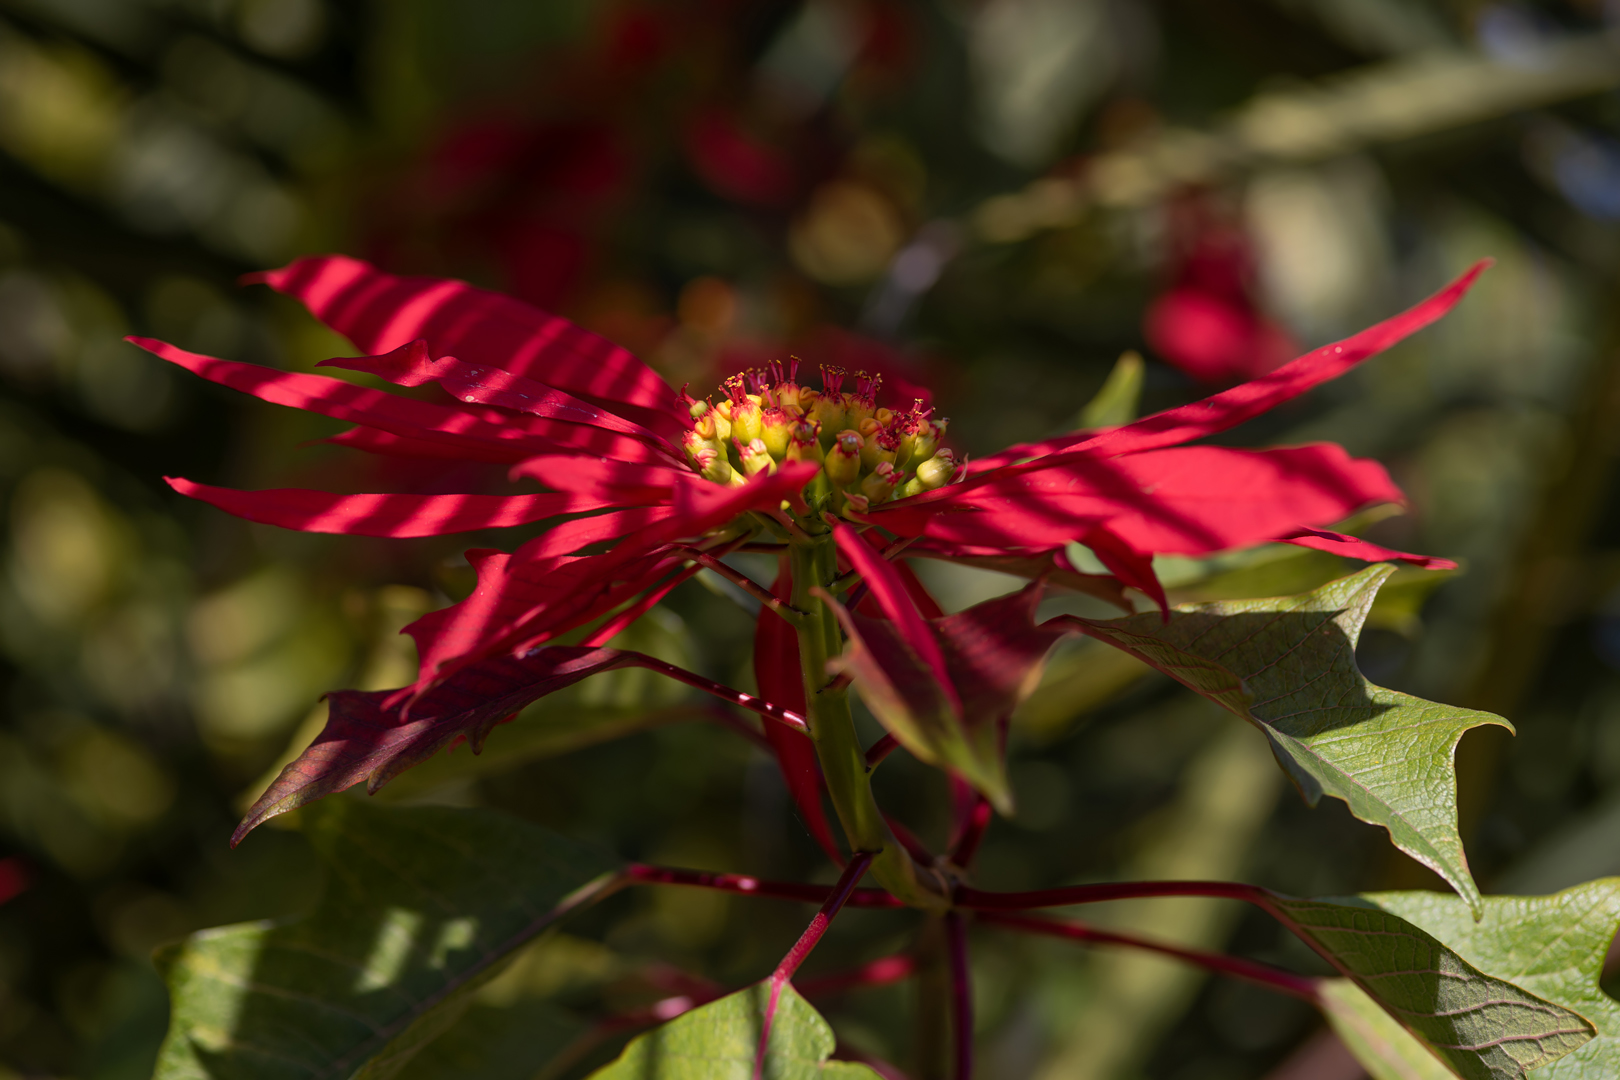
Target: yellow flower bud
[
  {"x": 746, "y": 420},
  {"x": 828, "y": 411},
  {"x": 694, "y": 444},
  {"x": 937, "y": 470},
  {"x": 756, "y": 458},
  {"x": 879, "y": 485},
  {"x": 776, "y": 428},
  {"x": 714, "y": 466},
  {"x": 881, "y": 445},
  {"x": 806, "y": 444},
  {"x": 843, "y": 463}
]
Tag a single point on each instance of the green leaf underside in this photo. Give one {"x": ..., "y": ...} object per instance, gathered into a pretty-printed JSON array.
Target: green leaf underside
[
  {"x": 720, "y": 1041},
  {"x": 1377, "y": 1040},
  {"x": 489, "y": 1042},
  {"x": 1287, "y": 665},
  {"x": 422, "y": 906},
  {"x": 1483, "y": 1026},
  {"x": 547, "y": 733},
  {"x": 1553, "y": 946},
  {"x": 1120, "y": 396}
]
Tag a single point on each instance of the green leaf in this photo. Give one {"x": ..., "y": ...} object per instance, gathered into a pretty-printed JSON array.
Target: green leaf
[
  {"x": 1383, "y": 1047},
  {"x": 1120, "y": 395},
  {"x": 423, "y": 905},
  {"x": 721, "y": 1040},
  {"x": 1484, "y": 1026},
  {"x": 517, "y": 1028},
  {"x": 1553, "y": 946},
  {"x": 1288, "y": 665},
  {"x": 542, "y": 731},
  {"x": 497, "y": 1043}
]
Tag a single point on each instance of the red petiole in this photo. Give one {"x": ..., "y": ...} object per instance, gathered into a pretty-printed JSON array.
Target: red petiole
[
  {"x": 1272, "y": 978},
  {"x": 812, "y": 935}
]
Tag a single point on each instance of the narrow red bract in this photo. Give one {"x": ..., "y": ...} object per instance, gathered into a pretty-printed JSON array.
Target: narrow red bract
[
  {"x": 662, "y": 477},
  {"x": 380, "y": 313}
]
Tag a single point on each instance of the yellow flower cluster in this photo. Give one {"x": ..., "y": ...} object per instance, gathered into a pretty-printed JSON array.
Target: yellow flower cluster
[{"x": 868, "y": 454}]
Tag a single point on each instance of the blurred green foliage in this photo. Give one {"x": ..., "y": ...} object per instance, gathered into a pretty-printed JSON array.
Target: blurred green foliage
[{"x": 994, "y": 193}]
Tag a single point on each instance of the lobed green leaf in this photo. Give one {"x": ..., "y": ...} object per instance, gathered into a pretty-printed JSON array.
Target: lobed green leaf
[
  {"x": 1553, "y": 946},
  {"x": 1383, "y": 1047},
  {"x": 720, "y": 1041},
  {"x": 1288, "y": 665},
  {"x": 1480, "y": 1023},
  {"x": 423, "y": 905}
]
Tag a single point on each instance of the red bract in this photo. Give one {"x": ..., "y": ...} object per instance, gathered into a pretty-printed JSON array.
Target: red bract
[{"x": 671, "y": 483}]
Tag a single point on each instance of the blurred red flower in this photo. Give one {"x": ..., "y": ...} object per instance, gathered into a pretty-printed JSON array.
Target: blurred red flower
[{"x": 1208, "y": 323}]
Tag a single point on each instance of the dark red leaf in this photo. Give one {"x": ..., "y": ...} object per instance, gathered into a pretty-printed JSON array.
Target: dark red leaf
[
  {"x": 992, "y": 654},
  {"x": 375, "y": 735},
  {"x": 368, "y": 738},
  {"x": 888, "y": 588}
]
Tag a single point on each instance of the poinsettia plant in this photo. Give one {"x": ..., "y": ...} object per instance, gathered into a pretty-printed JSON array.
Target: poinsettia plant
[{"x": 640, "y": 488}]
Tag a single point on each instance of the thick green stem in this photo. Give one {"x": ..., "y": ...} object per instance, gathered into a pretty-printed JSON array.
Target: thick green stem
[{"x": 832, "y": 726}]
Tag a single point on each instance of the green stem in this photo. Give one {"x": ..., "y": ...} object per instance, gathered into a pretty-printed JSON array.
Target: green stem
[{"x": 832, "y": 727}]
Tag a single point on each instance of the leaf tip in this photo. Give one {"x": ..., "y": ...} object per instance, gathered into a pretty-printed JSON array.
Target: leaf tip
[{"x": 255, "y": 817}]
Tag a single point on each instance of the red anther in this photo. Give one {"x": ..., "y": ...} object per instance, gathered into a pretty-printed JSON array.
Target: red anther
[
  {"x": 911, "y": 420},
  {"x": 832, "y": 379}
]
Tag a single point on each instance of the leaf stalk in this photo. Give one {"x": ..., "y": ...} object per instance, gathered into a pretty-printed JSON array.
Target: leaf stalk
[{"x": 1304, "y": 987}]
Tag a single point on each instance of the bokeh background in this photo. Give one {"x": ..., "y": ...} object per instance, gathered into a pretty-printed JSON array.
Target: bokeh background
[{"x": 993, "y": 197}]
